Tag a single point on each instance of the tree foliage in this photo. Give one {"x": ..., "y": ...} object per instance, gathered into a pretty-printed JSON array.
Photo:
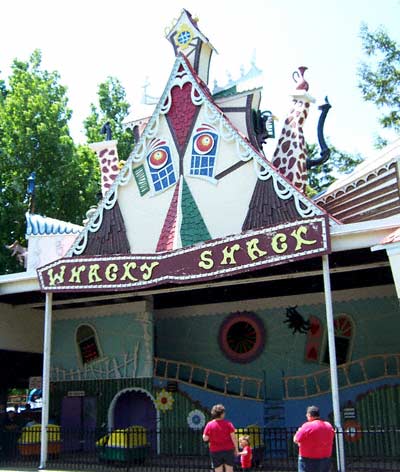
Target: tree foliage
[
  {"x": 379, "y": 76},
  {"x": 34, "y": 136},
  {"x": 339, "y": 163},
  {"x": 113, "y": 108}
]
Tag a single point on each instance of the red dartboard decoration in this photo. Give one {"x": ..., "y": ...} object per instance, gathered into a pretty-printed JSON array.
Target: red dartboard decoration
[
  {"x": 352, "y": 431},
  {"x": 242, "y": 337}
]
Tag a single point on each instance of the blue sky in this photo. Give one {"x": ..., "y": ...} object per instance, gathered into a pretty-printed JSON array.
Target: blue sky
[{"x": 88, "y": 40}]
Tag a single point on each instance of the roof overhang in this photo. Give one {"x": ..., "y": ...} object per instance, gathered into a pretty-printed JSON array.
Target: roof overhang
[
  {"x": 20, "y": 282},
  {"x": 363, "y": 234}
]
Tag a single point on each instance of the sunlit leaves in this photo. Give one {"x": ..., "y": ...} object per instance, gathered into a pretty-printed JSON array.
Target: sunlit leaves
[
  {"x": 34, "y": 136},
  {"x": 379, "y": 75},
  {"x": 112, "y": 107}
]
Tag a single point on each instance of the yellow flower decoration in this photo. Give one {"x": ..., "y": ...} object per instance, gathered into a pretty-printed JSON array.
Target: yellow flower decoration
[
  {"x": 121, "y": 164},
  {"x": 164, "y": 400},
  {"x": 184, "y": 36}
]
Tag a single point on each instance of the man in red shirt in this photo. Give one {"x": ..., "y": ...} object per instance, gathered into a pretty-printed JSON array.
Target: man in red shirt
[
  {"x": 220, "y": 434},
  {"x": 315, "y": 441}
]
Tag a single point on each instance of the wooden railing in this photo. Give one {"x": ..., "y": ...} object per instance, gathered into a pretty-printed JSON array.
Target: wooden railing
[
  {"x": 208, "y": 379},
  {"x": 361, "y": 371}
]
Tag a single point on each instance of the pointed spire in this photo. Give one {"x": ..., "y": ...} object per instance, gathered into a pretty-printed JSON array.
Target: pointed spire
[{"x": 187, "y": 39}]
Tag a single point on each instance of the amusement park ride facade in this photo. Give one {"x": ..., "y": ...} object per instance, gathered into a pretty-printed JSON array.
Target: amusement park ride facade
[{"x": 206, "y": 266}]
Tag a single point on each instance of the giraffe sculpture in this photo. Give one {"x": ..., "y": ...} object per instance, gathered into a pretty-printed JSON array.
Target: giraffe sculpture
[{"x": 290, "y": 154}]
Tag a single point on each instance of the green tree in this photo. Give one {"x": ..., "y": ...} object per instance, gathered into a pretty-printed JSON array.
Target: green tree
[
  {"x": 113, "y": 108},
  {"x": 379, "y": 76},
  {"x": 34, "y": 136},
  {"x": 339, "y": 163}
]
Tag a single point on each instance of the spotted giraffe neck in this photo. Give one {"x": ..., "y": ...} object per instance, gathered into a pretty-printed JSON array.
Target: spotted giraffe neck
[
  {"x": 107, "y": 155},
  {"x": 290, "y": 153}
]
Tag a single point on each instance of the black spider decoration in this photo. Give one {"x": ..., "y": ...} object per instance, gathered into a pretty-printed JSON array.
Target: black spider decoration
[{"x": 295, "y": 321}]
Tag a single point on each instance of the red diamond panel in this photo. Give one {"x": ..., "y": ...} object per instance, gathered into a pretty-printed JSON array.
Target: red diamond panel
[
  {"x": 181, "y": 113},
  {"x": 167, "y": 236}
]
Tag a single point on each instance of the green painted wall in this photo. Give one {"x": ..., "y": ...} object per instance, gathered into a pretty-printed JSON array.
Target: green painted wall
[
  {"x": 173, "y": 423},
  {"x": 195, "y": 339},
  {"x": 118, "y": 335}
]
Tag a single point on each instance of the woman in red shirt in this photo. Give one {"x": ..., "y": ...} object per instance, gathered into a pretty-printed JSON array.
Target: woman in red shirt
[{"x": 220, "y": 434}]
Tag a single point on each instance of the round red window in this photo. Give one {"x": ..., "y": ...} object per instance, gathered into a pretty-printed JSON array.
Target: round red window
[
  {"x": 158, "y": 158},
  {"x": 242, "y": 337},
  {"x": 204, "y": 143}
]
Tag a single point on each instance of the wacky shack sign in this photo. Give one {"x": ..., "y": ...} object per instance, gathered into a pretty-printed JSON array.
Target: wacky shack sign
[{"x": 235, "y": 254}]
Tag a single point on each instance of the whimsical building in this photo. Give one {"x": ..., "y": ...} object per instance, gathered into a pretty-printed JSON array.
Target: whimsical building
[{"x": 198, "y": 279}]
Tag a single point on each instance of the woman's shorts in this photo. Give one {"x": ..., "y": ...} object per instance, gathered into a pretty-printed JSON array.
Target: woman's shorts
[
  {"x": 223, "y": 457},
  {"x": 314, "y": 465}
]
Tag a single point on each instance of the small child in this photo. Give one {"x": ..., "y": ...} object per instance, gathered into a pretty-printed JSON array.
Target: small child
[{"x": 246, "y": 453}]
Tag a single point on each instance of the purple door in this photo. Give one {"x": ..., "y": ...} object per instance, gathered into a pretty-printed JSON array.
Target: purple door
[
  {"x": 78, "y": 422},
  {"x": 136, "y": 408}
]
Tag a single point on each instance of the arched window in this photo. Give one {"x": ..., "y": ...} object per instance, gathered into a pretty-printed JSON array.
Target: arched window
[
  {"x": 344, "y": 332},
  {"x": 88, "y": 345}
]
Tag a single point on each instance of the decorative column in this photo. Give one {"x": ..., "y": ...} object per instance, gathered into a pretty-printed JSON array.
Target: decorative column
[
  {"x": 46, "y": 380},
  {"x": 108, "y": 160},
  {"x": 341, "y": 463}
]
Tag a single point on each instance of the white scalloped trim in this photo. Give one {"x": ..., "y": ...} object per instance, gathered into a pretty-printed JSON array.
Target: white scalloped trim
[{"x": 264, "y": 171}]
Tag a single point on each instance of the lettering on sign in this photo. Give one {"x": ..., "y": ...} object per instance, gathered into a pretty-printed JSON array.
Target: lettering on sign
[{"x": 244, "y": 252}]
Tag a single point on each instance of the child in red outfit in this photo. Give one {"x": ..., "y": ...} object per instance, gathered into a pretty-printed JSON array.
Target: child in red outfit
[{"x": 246, "y": 452}]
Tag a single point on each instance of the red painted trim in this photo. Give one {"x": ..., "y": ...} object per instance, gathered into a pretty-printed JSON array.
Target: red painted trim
[{"x": 167, "y": 236}]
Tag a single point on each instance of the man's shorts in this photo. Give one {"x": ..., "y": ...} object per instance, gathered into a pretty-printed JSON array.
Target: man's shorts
[
  {"x": 222, "y": 457},
  {"x": 314, "y": 465}
]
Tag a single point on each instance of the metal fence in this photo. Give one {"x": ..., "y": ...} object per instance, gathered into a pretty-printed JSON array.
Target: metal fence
[{"x": 178, "y": 450}]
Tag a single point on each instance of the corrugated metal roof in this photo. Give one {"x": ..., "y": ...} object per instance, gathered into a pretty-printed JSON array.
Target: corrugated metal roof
[{"x": 371, "y": 191}]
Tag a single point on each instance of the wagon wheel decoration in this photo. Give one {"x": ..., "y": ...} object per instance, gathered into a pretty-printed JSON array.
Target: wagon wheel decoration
[{"x": 242, "y": 337}]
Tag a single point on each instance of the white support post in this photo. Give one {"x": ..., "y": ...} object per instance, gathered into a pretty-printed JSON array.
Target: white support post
[
  {"x": 333, "y": 365},
  {"x": 46, "y": 379}
]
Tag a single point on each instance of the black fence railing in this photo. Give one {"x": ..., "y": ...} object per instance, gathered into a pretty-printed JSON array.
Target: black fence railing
[{"x": 178, "y": 450}]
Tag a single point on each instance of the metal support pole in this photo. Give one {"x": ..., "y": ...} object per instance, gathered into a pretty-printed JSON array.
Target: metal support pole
[
  {"x": 333, "y": 365},
  {"x": 46, "y": 379}
]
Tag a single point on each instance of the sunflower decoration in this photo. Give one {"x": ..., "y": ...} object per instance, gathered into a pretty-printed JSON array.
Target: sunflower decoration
[
  {"x": 164, "y": 400},
  {"x": 196, "y": 419}
]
